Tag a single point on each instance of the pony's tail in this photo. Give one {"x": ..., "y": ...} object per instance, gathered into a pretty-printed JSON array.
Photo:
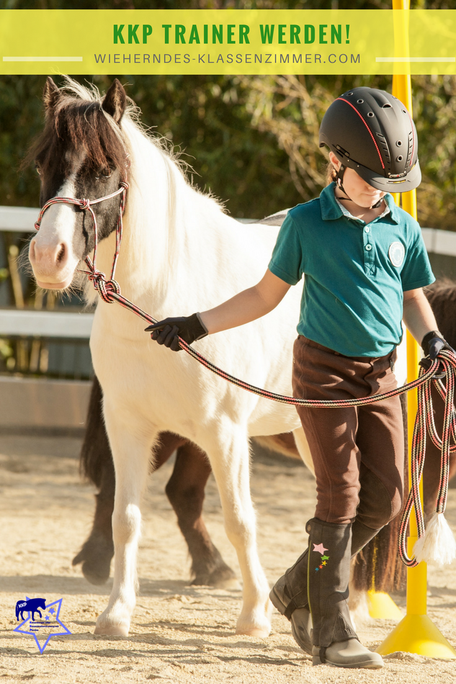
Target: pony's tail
[
  {"x": 95, "y": 454},
  {"x": 378, "y": 566}
]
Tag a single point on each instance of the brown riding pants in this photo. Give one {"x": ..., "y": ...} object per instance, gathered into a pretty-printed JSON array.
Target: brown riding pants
[{"x": 358, "y": 452}]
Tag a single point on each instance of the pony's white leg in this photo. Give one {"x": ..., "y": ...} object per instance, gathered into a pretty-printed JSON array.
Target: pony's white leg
[
  {"x": 303, "y": 448},
  {"x": 230, "y": 464},
  {"x": 131, "y": 448}
]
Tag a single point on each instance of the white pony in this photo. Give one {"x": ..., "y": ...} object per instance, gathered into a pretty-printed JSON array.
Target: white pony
[{"x": 180, "y": 253}]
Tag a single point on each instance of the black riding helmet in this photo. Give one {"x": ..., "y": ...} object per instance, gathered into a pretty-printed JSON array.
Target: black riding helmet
[{"x": 372, "y": 132}]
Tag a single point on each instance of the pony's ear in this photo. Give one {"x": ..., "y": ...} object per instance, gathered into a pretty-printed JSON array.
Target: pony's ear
[
  {"x": 114, "y": 101},
  {"x": 51, "y": 95}
]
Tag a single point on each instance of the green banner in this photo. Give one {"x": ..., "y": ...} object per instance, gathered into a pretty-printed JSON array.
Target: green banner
[{"x": 228, "y": 42}]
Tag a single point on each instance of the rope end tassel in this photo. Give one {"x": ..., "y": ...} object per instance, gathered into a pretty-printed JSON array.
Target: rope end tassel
[
  {"x": 437, "y": 544},
  {"x": 435, "y": 541}
]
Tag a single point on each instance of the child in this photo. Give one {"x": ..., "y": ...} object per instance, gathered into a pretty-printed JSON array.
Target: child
[{"x": 365, "y": 265}]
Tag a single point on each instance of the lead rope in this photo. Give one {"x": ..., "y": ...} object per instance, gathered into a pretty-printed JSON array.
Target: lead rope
[
  {"x": 435, "y": 542},
  {"x": 109, "y": 290}
]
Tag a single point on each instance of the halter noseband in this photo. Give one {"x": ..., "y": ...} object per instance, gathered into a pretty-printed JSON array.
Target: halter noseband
[{"x": 104, "y": 287}]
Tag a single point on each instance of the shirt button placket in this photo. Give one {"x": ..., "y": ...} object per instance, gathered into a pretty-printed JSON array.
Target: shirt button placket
[{"x": 368, "y": 251}]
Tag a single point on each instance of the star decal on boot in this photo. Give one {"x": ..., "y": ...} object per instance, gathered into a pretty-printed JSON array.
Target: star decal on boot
[{"x": 319, "y": 548}]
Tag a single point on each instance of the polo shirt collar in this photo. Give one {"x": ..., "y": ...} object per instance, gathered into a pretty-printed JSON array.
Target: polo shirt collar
[{"x": 331, "y": 209}]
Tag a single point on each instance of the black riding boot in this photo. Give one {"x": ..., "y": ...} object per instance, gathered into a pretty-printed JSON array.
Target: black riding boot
[
  {"x": 289, "y": 596},
  {"x": 289, "y": 593},
  {"x": 334, "y": 639}
]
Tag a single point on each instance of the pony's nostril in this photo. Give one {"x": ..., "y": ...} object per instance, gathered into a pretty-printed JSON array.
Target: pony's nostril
[{"x": 61, "y": 254}]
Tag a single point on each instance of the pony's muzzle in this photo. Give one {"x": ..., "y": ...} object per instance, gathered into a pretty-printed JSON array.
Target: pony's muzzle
[{"x": 51, "y": 264}]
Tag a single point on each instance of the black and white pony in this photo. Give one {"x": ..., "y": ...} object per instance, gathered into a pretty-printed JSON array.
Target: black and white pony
[{"x": 180, "y": 251}]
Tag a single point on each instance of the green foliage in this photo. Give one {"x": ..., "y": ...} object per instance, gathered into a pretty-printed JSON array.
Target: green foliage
[
  {"x": 434, "y": 108},
  {"x": 251, "y": 140},
  {"x": 21, "y": 119},
  {"x": 291, "y": 108}
]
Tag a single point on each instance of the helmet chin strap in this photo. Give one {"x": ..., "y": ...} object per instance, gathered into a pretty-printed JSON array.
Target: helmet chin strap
[{"x": 347, "y": 198}]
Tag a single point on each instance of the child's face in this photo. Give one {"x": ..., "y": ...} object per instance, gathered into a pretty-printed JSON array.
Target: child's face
[{"x": 363, "y": 194}]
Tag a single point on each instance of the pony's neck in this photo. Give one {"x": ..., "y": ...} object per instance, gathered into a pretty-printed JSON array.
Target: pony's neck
[
  {"x": 159, "y": 220},
  {"x": 145, "y": 244}
]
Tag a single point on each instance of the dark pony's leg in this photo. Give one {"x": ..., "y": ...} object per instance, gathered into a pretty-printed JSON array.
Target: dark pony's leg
[
  {"x": 185, "y": 491},
  {"x": 96, "y": 465}
]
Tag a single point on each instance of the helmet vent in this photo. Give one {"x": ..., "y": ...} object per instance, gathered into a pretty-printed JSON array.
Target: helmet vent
[
  {"x": 342, "y": 151},
  {"x": 399, "y": 158},
  {"x": 370, "y": 114},
  {"x": 398, "y": 143},
  {"x": 385, "y": 149},
  {"x": 387, "y": 105},
  {"x": 360, "y": 101}
]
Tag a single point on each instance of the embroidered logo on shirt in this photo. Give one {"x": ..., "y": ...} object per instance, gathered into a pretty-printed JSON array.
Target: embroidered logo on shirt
[{"x": 396, "y": 253}]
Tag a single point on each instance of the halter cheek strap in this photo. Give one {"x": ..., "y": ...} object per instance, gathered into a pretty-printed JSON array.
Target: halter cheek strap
[{"x": 104, "y": 287}]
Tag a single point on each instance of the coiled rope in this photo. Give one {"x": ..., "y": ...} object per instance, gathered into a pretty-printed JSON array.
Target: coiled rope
[
  {"x": 109, "y": 291},
  {"x": 424, "y": 424}
]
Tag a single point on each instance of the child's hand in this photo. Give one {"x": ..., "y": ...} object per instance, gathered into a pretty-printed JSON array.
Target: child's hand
[
  {"x": 168, "y": 331},
  {"x": 433, "y": 343}
]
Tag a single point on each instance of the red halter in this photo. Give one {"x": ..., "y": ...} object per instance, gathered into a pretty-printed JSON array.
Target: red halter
[{"x": 104, "y": 287}]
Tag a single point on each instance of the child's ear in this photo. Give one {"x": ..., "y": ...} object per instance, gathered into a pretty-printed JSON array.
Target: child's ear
[{"x": 334, "y": 161}]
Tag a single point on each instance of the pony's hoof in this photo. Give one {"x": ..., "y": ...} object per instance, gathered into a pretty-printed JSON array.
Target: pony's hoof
[
  {"x": 95, "y": 556},
  {"x": 256, "y": 623},
  {"x": 228, "y": 583},
  {"x": 220, "y": 578},
  {"x": 113, "y": 622},
  {"x": 258, "y": 627},
  {"x": 93, "y": 573},
  {"x": 112, "y": 629},
  {"x": 259, "y": 632}
]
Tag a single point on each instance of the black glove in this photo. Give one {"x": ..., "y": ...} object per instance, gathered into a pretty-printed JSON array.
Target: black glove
[
  {"x": 433, "y": 343},
  {"x": 168, "y": 331}
]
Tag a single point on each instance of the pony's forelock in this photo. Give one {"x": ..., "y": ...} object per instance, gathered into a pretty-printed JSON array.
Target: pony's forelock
[{"x": 85, "y": 98}]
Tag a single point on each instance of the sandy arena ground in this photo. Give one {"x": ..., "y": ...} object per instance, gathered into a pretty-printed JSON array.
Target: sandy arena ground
[{"x": 179, "y": 633}]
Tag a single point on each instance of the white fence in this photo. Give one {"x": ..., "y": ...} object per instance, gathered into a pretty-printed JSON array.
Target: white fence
[
  {"x": 78, "y": 325},
  {"x": 27, "y": 402},
  {"x": 30, "y": 403}
]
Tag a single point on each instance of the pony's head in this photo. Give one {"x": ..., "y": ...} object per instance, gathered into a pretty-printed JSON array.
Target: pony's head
[{"x": 81, "y": 154}]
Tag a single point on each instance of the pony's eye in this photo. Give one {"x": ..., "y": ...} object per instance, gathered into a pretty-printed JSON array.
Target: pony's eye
[{"x": 104, "y": 174}]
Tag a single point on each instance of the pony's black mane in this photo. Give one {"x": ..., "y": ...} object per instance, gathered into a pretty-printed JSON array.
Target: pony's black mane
[{"x": 74, "y": 126}]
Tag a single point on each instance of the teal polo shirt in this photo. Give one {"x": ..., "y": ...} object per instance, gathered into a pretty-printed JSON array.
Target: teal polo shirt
[{"x": 355, "y": 273}]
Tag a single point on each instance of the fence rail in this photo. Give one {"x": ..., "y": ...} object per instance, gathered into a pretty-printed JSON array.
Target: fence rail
[
  {"x": 16, "y": 322},
  {"x": 49, "y": 403},
  {"x": 57, "y": 324}
]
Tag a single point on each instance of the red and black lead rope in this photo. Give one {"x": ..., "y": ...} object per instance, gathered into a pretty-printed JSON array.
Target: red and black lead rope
[{"x": 109, "y": 291}]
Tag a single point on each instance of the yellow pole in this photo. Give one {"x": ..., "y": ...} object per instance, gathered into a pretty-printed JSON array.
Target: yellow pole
[{"x": 416, "y": 633}]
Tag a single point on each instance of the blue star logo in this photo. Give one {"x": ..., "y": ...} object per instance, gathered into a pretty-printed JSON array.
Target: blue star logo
[{"x": 48, "y": 626}]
